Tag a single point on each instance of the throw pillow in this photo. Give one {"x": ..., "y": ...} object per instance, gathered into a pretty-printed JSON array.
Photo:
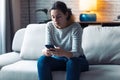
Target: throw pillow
[
  {"x": 101, "y": 45},
  {"x": 33, "y": 42}
]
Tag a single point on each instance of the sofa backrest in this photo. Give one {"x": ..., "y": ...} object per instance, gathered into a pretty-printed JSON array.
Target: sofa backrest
[
  {"x": 101, "y": 45},
  {"x": 29, "y": 41},
  {"x": 33, "y": 42},
  {"x": 18, "y": 40}
]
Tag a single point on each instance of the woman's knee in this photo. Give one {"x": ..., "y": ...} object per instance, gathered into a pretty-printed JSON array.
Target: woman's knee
[
  {"x": 80, "y": 63},
  {"x": 72, "y": 61},
  {"x": 42, "y": 60}
]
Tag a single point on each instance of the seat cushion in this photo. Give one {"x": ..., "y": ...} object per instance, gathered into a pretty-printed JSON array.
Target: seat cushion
[
  {"x": 102, "y": 72},
  {"x": 21, "y": 70},
  {"x": 34, "y": 41},
  {"x": 101, "y": 45},
  {"x": 27, "y": 70}
]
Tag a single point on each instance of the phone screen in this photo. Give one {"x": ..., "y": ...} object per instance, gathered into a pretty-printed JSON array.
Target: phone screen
[{"x": 49, "y": 46}]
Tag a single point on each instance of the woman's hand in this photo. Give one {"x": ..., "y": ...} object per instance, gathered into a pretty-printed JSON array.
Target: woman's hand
[
  {"x": 57, "y": 51},
  {"x": 60, "y": 52},
  {"x": 46, "y": 52}
]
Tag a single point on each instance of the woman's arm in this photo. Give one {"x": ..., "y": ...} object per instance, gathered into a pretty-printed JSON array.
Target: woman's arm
[{"x": 76, "y": 41}]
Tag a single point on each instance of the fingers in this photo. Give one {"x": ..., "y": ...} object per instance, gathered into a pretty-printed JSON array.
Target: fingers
[
  {"x": 58, "y": 48},
  {"x": 54, "y": 51},
  {"x": 47, "y": 53}
]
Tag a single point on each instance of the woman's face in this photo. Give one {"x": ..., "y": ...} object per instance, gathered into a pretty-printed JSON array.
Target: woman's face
[{"x": 59, "y": 18}]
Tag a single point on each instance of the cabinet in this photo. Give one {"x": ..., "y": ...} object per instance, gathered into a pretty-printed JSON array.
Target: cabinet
[{"x": 109, "y": 23}]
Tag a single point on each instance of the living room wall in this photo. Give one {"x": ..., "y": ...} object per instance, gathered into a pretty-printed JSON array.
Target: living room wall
[
  {"x": 107, "y": 10},
  {"x": 16, "y": 14}
]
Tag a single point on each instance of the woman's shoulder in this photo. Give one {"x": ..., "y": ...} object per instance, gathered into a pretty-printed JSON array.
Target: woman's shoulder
[
  {"x": 76, "y": 25},
  {"x": 50, "y": 24}
]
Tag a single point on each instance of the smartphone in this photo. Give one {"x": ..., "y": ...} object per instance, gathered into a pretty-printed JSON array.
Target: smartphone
[{"x": 49, "y": 46}]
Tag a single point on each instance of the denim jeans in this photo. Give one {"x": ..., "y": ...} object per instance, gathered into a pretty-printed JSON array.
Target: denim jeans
[{"x": 73, "y": 67}]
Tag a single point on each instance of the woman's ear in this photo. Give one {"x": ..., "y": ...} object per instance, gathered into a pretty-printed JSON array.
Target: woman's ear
[{"x": 67, "y": 15}]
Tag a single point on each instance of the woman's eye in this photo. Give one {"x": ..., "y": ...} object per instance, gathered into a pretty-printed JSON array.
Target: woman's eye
[
  {"x": 58, "y": 17},
  {"x": 52, "y": 17}
]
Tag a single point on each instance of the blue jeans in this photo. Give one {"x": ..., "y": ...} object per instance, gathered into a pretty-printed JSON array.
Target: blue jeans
[{"x": 73, "y": 67}]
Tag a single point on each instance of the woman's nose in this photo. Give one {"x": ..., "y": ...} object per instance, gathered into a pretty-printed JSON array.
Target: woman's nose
[{"x": 55, "y": 19}]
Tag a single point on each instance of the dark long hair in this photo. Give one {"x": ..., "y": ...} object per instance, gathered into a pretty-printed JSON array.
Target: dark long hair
[{"x": 62, "y": 6}]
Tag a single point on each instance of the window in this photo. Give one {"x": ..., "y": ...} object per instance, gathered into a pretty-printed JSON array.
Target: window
[{"x": 2, "y": 26}]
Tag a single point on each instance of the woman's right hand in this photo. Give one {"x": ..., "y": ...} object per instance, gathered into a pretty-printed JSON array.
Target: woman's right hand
[{"x": 46, "y": 52}]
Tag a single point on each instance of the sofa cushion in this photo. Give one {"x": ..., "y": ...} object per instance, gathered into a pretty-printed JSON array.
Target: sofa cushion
[
  {"x": 33, "y": 42},
  {"x": 21, "y": 70},
  {"x": 17, "y": 40},
  {"x": 102, "y": 72},
  {"x": 27, "y": 70},
  {"x": 101, "y": 45},
  {"x": 9, "y": 58}
]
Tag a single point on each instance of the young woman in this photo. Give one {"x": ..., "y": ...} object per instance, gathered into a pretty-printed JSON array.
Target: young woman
[{"x": 68, "y": 55}]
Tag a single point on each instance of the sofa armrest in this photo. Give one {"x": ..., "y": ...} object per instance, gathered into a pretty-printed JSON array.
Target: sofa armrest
[{"x": 9, "y": 58}]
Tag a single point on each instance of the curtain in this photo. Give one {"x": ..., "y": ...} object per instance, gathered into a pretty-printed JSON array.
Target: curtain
[
  {"x": 6, "y": 26},
  {"x": 9, "y": 26}
]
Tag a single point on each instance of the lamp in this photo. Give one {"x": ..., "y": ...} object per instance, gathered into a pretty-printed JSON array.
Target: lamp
[{"x": 88, "y": 6}]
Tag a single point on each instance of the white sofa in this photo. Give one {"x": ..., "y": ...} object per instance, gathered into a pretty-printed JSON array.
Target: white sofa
[{"x": 101, "y": 46}]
